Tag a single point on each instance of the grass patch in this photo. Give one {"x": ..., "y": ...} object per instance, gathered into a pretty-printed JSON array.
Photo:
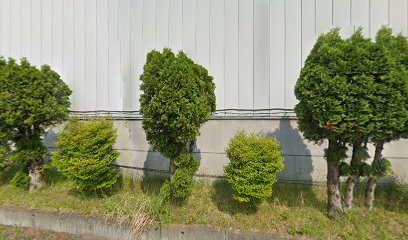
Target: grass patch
[{"x": 293, "y": 208}]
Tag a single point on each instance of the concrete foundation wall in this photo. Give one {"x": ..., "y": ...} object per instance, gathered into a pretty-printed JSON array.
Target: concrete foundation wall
[{"x": 304, "y": 160}]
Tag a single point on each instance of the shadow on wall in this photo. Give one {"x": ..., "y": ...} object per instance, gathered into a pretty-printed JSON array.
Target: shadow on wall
[
  {"x": 298, "y": 159},
  {"x": 156, "y": 170},
  {"x": 298, "y": 167}
]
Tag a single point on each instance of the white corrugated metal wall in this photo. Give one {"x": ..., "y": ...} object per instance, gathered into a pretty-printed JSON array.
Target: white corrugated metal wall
[{"x": 253, "y": 48}]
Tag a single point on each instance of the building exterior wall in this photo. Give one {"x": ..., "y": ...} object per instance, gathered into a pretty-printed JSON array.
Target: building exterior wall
[
  {"x": 253, "y": 48},
  {"x": 304, "y": 161}
]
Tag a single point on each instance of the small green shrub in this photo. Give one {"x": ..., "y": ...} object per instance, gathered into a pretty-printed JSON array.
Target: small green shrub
[
  {"x": 255, "y": 159},
  {"x": 86, "y": 155},
  {"x": 20, "y": 180}
]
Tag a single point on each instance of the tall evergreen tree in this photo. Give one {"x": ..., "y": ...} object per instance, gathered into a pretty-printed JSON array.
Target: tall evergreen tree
[{"x": 177, "y": 99}]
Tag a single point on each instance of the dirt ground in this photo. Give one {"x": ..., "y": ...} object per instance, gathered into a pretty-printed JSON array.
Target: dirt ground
[{"x": 23, "y": 233}]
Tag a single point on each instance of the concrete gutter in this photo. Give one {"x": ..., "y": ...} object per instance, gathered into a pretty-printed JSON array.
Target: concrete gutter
[
  {"x": 194, "y": 232},
  {"x": 104, "y": 229},
  {"x": 64, "y": 222}
]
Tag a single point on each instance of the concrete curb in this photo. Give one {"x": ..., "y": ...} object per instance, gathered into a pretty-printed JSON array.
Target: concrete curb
[
  {"x": 194, "y": 232},
  {"x": 64, "y": 222},
  {"x": 103, "y": 229}
]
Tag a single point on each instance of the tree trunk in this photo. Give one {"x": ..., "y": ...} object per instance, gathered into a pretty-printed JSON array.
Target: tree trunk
[
  {"x": 334, "y": 204},
  {"x": 369, "y": 201},
  {"x": 36, "y": 180},
  {"x": 172, "y": 169},
  {"x": 371, "y": 184},
  {"x": 350, "y": 184},
  {"x": 349, "y": 194}
]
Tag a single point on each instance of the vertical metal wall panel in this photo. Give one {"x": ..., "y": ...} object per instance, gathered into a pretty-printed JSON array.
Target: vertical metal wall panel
[
  {"x": 202, "y": 55},
  {"x": 398, "y": 16},
  {"x": 57, "y": 36},
  {"x": 102, "y": 52},
  {"x": 6, "y": 28},
  {"x": 149, "y": 26},
  {"x": 277, "y": 54},
  {"x": 360, "y": 15},
  {"x": 115, "y": 99},
  {"x": 125, "y": 50},
  {"x": 341, "y": 13},
  {"x": 293, "y": 48},
  {"x": 137, "y": 60},
  {"x": 46, "y": 32},
  {"x": 246, "y": 54},
  {"x": 378, "y": 15},
  {"x": 261, "y": 54},
  {"x": 15, "y": 31},
  {"x": 231, "y": 54},
  {"x": 324, "y": 18},
  {"x": 176, "y": 25},
  {"x": 216, "y": 68},
  {"x": 308, "y": 27},
  {"x": 254, "y": 49},
  {"x": 342, "y": 17},
  {"x": 1, "y": 28},
  {"x": 26, "y": 28},
  {"x": 68, "y": 46},
  {"x": 91, "y": 83},
  {"x": 36, "y": 31},
  {"x": 162, "y": 25},
  {"x": 79, "y": 54},
  {"x": 189, "y": 27}
]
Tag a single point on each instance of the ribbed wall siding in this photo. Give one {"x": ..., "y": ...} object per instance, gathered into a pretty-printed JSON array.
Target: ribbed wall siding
[{"x": 253, "y": 48}]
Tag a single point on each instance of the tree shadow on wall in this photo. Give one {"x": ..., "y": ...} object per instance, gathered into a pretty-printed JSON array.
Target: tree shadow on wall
[{"x": 295, "y": 182}]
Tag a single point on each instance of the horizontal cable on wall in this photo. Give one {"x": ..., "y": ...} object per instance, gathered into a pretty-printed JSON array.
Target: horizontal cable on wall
[{"x": 221, "y": 114}]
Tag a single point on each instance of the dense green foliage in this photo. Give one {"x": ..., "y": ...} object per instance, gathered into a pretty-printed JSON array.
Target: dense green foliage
[
  {"x": 335, "y": 87},
  {"x": 177, "y": 99},
  {"x": 353, "y": 91},
  {"x": 391, "y": 102},
  {"x": 86, "y": 155},
  {"x": 186, "y": 167},
  {"x": 4, "y": 150},
  {"x": 31, "y": 99},
  {"x": 255, "y": 159},
  {"x": 20, "y": 180}
]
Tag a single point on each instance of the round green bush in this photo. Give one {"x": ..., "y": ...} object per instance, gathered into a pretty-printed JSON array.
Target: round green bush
[
  {"x": 86, "y": 155},
  {"x": 255, "y": 159},
  {"x": 20, "y": 180}
]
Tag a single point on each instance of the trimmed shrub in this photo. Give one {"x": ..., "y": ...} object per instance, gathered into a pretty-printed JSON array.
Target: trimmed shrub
[
  {"x": 20, "y": 180},
  {"x": 177, "y": 99},
  {"x": 32, "y": 99},
  {"x": 86, "y": 155},
  {"x": 255, "y": 159}
]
